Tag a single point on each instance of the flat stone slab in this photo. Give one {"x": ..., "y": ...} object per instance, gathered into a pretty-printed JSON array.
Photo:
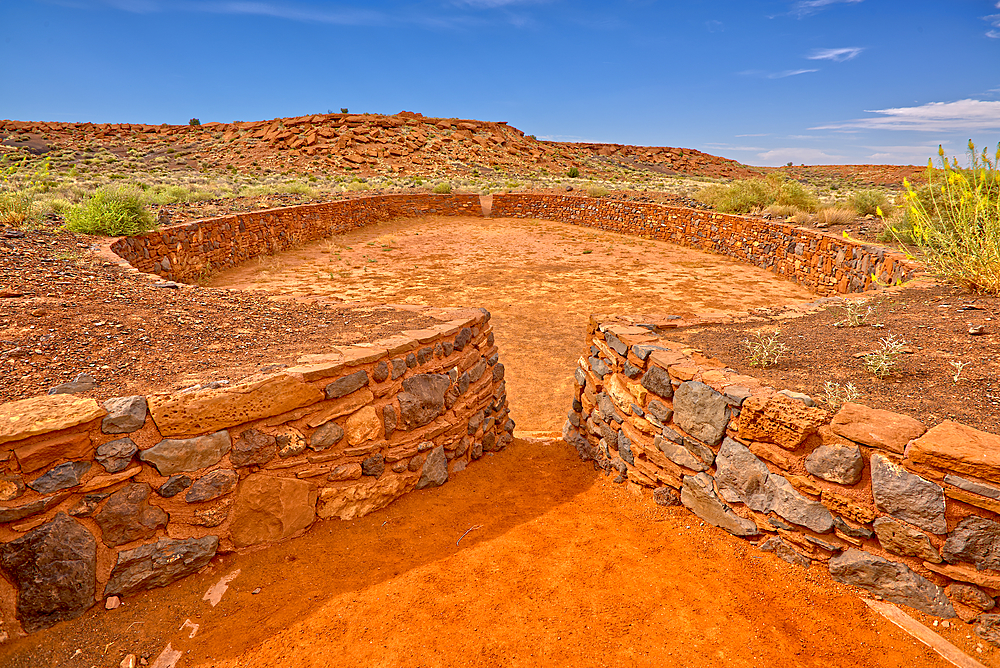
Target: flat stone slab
[
  {"x": 171, "y": 456},
  {"x": 41, "y": 415},
  {"x": 213, "y": 410},
  {"x": 876, "y": 428},
  {"x": 954, "y": 447}
]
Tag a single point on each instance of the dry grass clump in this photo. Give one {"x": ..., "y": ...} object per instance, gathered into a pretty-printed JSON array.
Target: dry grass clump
[
  {"x": 835, "y": 215},
  {"x": 781, "y": 210},
  {"x": 597, "y": 191}
]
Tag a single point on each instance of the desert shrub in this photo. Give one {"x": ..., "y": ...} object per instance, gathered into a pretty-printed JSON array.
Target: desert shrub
[
  {"x": 112, "y": 211},
  {"x": 835, "y": 215},
  {"x": 801, "y": 218},
  {"x": 573, "y": 173},
  {"x": 869, "y": 202},
  {"x": 442, "y": 188},
  {"x": 752, "y": 195},
  {"x": 597, "y": 191},
  {"x": 19, "y": 185},
  {"x": 194, "y": 121},
  {"x": 956, "y": 221}
]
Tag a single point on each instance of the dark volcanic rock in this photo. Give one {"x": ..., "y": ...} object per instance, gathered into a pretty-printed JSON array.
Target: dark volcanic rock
[
  {"x": 158, "y": 564},
  {"x": 253, "y": 448},
  {"x": 435, "y": 471},
  {"x": 174, "y": 485},
  {"x": 212, "y": 485},
  {"x": 116, "y": 455},
  {"x": 127, "y": 516},
  {"x": 892, "y": 581},
  {"x": 54, "y": 569},
  {"x": 63, "y": 476},
  {"x": 347, "y": 384},
  {"x": 422, "y": 398}
]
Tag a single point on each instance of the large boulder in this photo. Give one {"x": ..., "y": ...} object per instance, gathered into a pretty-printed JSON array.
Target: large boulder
[
  {"x": 269, "y": 509},
  {"x": 892, "y": 581},
  {"x": 158, "y": 564},
  {"x": 54, "y": 568}
]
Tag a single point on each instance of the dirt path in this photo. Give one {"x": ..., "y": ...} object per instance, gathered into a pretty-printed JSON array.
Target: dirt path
[
  {"x": 541, "y": 281},
  {"x": 567, "y": 569}
]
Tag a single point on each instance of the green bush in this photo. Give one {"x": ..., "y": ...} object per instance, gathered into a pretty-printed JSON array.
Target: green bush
[
  {"x": 442, "y": 188},
  {"x": 955, "y": 221},
  {"x": 573, "y": 173},
  {"x": 869, "y": 202},
  {"x": 752, "y": 195},
  {"x": 194, "y": 121},
  {"x": 112, "y": 211}
]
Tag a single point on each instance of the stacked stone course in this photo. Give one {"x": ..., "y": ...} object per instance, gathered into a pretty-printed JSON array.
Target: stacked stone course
[
  {"x": 100, "y": 500},
  {"x": 908, "y": 513},
  {"x": 821, "y": 262}
]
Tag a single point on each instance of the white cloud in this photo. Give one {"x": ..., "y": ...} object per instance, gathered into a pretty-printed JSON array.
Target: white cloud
[
  {"x": 789, "y": 73},
  {"x": 930, "y": 117},
  {"x": 836, "y": 55},
  {"x": 808, "y": 7}
]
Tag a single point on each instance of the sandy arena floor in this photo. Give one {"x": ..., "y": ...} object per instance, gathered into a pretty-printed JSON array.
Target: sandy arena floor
[
  {"x": 541, "y": 280},
  {"x": 528, "y": 558}
]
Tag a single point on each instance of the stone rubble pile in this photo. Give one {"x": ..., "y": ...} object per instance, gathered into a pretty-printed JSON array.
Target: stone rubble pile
[
  {"x": 908, "y": 513},
  {"x": 107, "y": 500}
]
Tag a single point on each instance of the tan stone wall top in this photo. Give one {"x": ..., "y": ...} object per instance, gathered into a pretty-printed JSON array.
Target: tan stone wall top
[{"x": 41, "y": 415}]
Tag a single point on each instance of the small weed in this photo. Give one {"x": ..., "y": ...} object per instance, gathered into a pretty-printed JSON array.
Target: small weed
[
  {"x": 857, "y": 313},
  {"x": 958, "y": 366},
  {"x": 837, "y": 395},
  {"x": 882, "y": 361},
  {"x": 764, "y": 351}
]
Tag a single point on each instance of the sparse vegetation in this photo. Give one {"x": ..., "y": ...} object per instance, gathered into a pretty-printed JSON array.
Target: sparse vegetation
[
  {"x": 881, "y": 362},
  {"x": 857, "y": 313},
  {"x": 19, "y": 185},
  {"x": 442, "y": 188},
  {"x": 755, "y": 195},
  {"x": 836, "y": 395},
  {"x": 764, "y": 350},
  {"x": 112, "y": 211},
  {"x": 573, "y": 173},
  {"x": 597, "y": 191}
]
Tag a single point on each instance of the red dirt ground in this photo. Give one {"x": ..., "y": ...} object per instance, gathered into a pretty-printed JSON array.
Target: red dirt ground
[{"x": 566, "y": 569}]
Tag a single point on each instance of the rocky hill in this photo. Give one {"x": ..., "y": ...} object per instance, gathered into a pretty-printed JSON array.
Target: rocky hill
[{"x": 405, "y": 143}]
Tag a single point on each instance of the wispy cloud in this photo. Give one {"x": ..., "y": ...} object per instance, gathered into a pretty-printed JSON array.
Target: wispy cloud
[
  {"x": 994, "y": 21},
  {"x": 836, "y": 55},
  {"x": 493, "y": 4},
  {"x": 809, "y": 7},
  {"x": 757, "y": 134},
  {"x": 714, "y": 26},
  {"x": 930, "y": 117},
  {"x": 789, "y": 73}
]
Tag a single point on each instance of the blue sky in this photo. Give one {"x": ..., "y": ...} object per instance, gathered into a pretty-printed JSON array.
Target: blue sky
[{"x": 808, "y": 81}]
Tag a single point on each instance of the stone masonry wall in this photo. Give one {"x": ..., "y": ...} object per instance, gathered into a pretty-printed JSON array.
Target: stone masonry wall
[
  {"x": 823, "y": 263},
  {"x": 189, "y": 250},
  {"x": 109, "y": 499},
  {"x": 908, "y": 513}
]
